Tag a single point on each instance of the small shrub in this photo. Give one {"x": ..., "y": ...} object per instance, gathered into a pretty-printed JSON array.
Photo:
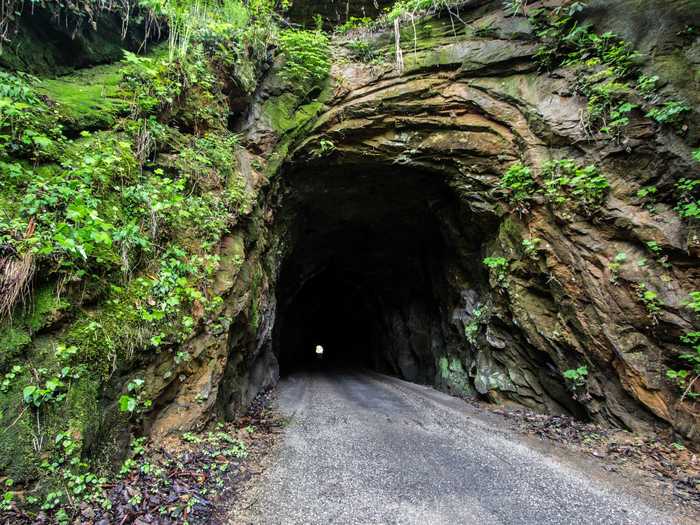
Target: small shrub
[
  {"x": 133, "y": 402},
  {"x": 688, "y": 199},
  {"x": 515, "y": 7},
  {"x": 647, "y": 195},
  {"x": 577, "y": 376},
  {"x": 353, "y": 23},
  {"x": 531, "y": 247},
  {"x": 471, "y": 329},
  {"x": 566, "y": 182},
  {"x": 520, "y": 184},
  {"x": 671, "y": 112},
  {"x": 307, "y": 57},
  {"x": 658, "y": 252},
  {"x": 651, "y": 302},
  {"x": 687, "y": 376},
  {"x": 647, "y": 85},
  {"x": 361, "y": 51},
  {"x": 615, "y": 265},
  {"x": 498, "y": 267}
]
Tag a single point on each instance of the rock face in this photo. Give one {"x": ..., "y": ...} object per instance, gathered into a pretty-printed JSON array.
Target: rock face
[
  {"x": 50, "y": 39},
  {"x": 411, "y": 184},
  {"x": 377, "y": 200}
]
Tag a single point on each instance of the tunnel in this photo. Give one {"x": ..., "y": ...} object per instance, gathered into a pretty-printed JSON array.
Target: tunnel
[{"x": 365, "y": 270}]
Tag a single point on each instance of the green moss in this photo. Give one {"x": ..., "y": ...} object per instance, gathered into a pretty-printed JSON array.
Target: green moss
[
  {"x": 109, "y": 334},
  {"x": 46, "y": 305},
  {"x": 453, "y": 375},
  {"x": 88, "y": 98},
  {"x": 280, "y": 112},
  {"x": 16, "y": 333},
  {"x": 18, "y": 459},
  {"x": 287, "y": 113},
  {"x": 13, "y": 339},
  {"x": 28, "y": 433}
]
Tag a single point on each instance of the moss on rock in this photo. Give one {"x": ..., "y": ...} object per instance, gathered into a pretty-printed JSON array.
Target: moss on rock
[{"x": 87, "y": 99}]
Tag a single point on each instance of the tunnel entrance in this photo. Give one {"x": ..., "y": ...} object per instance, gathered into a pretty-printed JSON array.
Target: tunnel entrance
[{"x": 365, "y": 270}]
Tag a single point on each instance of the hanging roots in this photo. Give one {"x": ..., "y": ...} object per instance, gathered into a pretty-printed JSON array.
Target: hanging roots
[{"x": 15, "y": 275}]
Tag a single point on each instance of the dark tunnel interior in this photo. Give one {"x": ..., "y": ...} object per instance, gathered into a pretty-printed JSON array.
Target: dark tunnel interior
[{"x": 364, "y": 274}]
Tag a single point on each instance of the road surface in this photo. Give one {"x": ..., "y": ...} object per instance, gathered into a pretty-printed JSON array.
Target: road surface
[{"x": 370, "y": 449}]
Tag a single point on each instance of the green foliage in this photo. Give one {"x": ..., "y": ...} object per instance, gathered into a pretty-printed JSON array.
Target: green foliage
[
  {"x": 354, "y": 23},
  {"x": 412, "y": 8},
  {"x": 362, "y": 51},
  {"x": 8, "y": 496},
  {"x": 577, "y": 376},
  {"x": 686, "y": 377},
  {"x": 78, "y": 484},
  {"x": 515, "y": 7},
  {"x": 531, "y": 247},
  {"x": 498, "y": 267},
  {"x": 132, "y": 402},
  {"x": 472, "y": 328},
  {"x": 647, "y": 85},
  {"x": 694, "y": 302},
  {"x": 566, "y": 183},
  {"x": 28, "y": 126},
  {"x": 9, "y": 378},
  {"x": 658, "y": 252},
  {"x": 325, "y": 146},
  {"x": 688, "y": 191},
  {"x": 650, "y": 300},
  {"x": 520, "y": 184},
  {"x": 607, "y": 70},
  {"x": 616, "y": 265},
  {"x": 124, "y": 224},
  {"x": 671, "y": 112},
  {"x": 647, "y": 195},
  {"x": 307, "y": 57},
  {"x": 53, "y": 389}
]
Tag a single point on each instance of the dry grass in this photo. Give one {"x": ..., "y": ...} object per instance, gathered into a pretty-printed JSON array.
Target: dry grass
[{"x": 16, "y": 274}]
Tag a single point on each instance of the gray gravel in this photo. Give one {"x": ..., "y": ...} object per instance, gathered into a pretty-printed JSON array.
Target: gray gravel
[{"x": 366, "y": 448}]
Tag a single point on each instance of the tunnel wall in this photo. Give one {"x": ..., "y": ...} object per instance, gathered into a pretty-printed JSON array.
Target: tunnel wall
[{"x": 465, "y": 108}]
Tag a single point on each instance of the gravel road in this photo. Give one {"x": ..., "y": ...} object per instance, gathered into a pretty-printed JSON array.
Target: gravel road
[{"x": 370, "y": 449}]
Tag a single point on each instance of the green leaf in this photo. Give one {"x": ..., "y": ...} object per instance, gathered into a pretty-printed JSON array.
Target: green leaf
[
  {"x": 127, "y": 403},
  {"x": 28, "y": 393}
]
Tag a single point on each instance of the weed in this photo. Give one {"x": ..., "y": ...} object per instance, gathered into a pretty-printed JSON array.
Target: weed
[
  {"x": 307, "y": 57},
  {"x": 615, "y": 265},
  {"x": 567, "y": 183},
  {"x": 362, "y": 51},
  {"x": 531, "y": 247},
  {"x": 647, "y": 196},
  {"x": 354, "y": 23},
  {"x": 651, "y": 302},
  {"x": 498, "y": 267},
  {"x": 671, "y": 112},
  {"x": 472, "y": 328},
  {"x": 577, "y": 376},
  {"x": 688, "y": 191},
  {"x": 520, "y": 185}
]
